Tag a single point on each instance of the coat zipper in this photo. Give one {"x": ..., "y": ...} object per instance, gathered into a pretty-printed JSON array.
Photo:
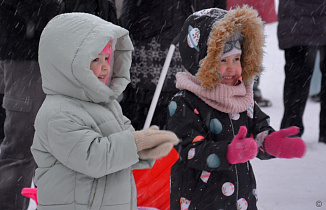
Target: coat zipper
[
  {"x": 92, "y": 194},
  {"x": 235, "y": 166}
]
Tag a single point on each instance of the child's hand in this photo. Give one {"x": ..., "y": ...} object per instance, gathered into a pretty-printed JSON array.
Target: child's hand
[
  {"x": 241, "y": 149},
  {"x": 153, "y": 143},
  {"x": 156, "y": 152},
  {"x": 279, "y": 145},
  {"x": 153, "y": 137}
]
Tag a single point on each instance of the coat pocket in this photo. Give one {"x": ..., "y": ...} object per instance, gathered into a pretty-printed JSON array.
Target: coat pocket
[{"x": 118, "y": 188}]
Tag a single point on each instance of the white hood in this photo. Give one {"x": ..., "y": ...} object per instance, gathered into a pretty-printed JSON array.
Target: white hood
[{"x": 67, "y": 46}]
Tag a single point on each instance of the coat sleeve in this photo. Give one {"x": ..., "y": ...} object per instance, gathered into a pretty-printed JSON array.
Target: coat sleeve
[
  {"x": 261, "y": 128},
  {"x": 197, "y": 149},
  {"x": 127, "y": 123},
  {"x": 79, "y": 147}
]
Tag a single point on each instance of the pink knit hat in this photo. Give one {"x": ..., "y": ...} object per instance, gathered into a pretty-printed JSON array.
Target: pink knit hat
[{"x": 108, "y": 49}]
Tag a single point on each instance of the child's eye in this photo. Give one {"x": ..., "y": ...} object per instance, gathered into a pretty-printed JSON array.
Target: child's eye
[
  {"x": 223, "y": 60},
  {"x": 237, "y": 59},
  {"x": 96, "y": 59}
]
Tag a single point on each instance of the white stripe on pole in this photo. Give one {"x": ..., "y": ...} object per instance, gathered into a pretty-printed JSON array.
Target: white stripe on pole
[{"x": 159, "y": 86}]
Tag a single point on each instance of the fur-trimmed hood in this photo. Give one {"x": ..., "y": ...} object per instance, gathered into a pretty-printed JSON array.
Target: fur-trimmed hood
[{"x": 204, "y": 34}]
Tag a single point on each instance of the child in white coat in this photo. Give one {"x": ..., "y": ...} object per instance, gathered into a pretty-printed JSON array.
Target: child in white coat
[{"x": 84, "y": 146}]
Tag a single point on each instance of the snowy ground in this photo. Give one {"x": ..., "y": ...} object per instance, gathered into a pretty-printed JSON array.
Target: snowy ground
[
  {"x": 296, "y": 184},
  {"x": 289, "y": 184}
]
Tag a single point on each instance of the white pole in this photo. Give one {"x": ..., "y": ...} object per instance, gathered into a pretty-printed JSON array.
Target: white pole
[{"x": 159, "y": 86}]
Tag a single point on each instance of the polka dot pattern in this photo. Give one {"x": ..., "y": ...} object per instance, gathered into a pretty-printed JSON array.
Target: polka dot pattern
[
  {"x": 215, "y": 126},
  {"x": 261, "y": 137},
  {"x": 203, "y": 133},
  {"x": 184, "y": 203},
  {"x": 172, "y": 108},
  {"x": 242, "y": 204},
  {"x": 250, "y": 111},
  {"x": 205, "y": 176},
  {"x": 191, "y": 153},
  {"x": 228, "y": 189},
  {"x": 268, "y": 121},
  {"x": 254, "y": 192},
  {"x": 198, "y": 138},
  {"x": 234, "y": 116},
  {"x": 213, "y": 161}
]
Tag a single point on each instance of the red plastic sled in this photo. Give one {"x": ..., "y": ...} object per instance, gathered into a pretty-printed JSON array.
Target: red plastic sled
[{"x": 153, "y": 185}]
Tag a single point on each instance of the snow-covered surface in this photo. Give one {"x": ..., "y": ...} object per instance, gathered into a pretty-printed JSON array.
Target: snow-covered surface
[{"x": 294, "y": 184}]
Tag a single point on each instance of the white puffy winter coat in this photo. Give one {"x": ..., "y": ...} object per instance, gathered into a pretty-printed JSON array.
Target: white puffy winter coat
[{"x": 83, "y": 144}]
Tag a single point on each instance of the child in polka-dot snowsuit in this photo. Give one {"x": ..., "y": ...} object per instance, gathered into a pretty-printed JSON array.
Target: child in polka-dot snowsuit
[{"x": 214, "y": 115}]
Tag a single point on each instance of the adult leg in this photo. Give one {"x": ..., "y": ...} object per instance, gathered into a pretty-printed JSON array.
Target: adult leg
[
  {"x": 322, "y": 116},
  {"x": 23, "y": 97},
  {"x": 299, "y": 65}
]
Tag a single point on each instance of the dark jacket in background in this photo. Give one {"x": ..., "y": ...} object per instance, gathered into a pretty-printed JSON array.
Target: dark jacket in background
[
  {"x": 301, "y": 23},
  {"x": 22, "y": 22},
  {"x": 147, "y": 18}
]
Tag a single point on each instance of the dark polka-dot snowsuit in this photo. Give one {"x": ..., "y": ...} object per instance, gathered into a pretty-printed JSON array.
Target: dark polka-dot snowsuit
[{"x": 202, "y": 178}]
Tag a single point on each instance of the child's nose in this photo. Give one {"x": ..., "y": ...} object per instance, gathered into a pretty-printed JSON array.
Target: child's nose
[
  {"x": 105, "y": 66},
  {"x": 230, "y": 68}
]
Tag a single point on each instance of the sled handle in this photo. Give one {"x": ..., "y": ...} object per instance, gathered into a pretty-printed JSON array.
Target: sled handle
[{"x": 160, "y": 82}]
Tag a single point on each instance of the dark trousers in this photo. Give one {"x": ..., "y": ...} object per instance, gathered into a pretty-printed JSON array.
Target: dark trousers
[
  {"x": 298, "y": 69},
  {"x": 23, "y": 95}
]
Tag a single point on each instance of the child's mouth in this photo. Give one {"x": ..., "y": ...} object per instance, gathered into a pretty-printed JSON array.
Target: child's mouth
[{"x": 227, "y": 78}]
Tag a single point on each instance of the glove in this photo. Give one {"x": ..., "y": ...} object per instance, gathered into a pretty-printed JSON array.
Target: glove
[
  {"x": 241, "y": 149},
  {"x": 279, "y": 145},
  {"x": 156, "y": 152},
  {"x": 153, "y": 137}
]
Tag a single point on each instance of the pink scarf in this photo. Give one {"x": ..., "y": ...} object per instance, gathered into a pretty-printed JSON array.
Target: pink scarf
[{"x": 228, "y": 99}]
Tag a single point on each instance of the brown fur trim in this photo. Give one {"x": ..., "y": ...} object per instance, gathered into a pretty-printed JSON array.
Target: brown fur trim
[{"x": 251, "y": 26}]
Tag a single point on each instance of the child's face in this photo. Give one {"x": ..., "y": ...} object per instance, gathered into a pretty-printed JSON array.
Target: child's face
[
  {"x": 101, "y": 67},
  {"x": 230, "y": 69}
]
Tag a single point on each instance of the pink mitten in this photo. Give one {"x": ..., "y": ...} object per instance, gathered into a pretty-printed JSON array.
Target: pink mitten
[
  {"x": 241, "y": 149},
  {"x": 279, "y": 145}
]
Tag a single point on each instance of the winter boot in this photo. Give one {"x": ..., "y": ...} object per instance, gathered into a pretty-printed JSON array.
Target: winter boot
[{"x": 262, "y": 102}]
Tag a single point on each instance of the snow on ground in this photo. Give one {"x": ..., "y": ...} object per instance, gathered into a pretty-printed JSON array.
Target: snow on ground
[{"x": 294, "y": 184}]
